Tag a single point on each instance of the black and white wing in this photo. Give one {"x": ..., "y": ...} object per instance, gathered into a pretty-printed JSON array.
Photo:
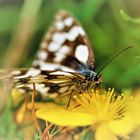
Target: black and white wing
[
  {"x": 65, "y": 46},
  {"x": 64, "y": 51},
  {"x": 49, "y": 82}
]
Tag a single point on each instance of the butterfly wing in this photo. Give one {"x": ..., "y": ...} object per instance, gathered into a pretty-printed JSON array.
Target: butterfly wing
[
  {"x": 48, "y": 82},
  {"x": 65, "y": 47}
]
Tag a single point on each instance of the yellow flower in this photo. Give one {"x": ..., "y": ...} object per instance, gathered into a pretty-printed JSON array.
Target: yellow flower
[{"x": 110, "y": 115}]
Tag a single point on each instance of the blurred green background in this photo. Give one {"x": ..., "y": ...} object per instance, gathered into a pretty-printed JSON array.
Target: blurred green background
[{"x": 110, "y": 25}]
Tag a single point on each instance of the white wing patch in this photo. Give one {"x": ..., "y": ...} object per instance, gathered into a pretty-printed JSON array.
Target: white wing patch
[
  {"x": 60, "y": 73},
  {"x": 42, "y": 55},
  {"x": 64, "y": 49},
  {"x": 16, "y": 72},
  {"x": 82, "y": 53},
  {"x": 76, "y": 30},
  {"x": 59, "y": 57},
  {"x": 61, "y": 54},
  {"x": 53, "y": 66},
  {"x": 39, "y": 87},
  {"x": 30, "y": 73},
  {"x": 68, "y": 21},
  {"x": 59, "y": 38},
  {"x": 59, "y": 25},
  {"x": 53, "y": 46}
]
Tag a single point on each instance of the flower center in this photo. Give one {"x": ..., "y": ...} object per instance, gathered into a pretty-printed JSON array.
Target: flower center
[{"x": 104, "y": 106}]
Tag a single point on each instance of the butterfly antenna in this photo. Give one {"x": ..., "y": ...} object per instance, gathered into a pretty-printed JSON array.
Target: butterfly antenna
[{"x": 114, "y": 57}]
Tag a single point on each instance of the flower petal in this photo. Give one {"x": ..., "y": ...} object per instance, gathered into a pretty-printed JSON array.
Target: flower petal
[
  {"x": 63, "y": 117},
  {"x": 123, "y": 126},
  {"x": 131, "y": 118},
  {"x": 103, "y": 133},
  {"x": 133, "y": 107}
]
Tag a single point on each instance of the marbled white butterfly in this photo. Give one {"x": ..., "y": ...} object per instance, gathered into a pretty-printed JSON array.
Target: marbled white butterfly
[{"x": 65, "y": 61}]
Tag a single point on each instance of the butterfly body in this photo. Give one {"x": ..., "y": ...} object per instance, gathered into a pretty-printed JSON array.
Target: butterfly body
[
  {"x": 65, "y": 61},
  {"x": 90, "y": 74}
]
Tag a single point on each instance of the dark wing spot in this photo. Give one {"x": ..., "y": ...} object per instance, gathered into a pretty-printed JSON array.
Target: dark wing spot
[{"x": 54, "y": 89}]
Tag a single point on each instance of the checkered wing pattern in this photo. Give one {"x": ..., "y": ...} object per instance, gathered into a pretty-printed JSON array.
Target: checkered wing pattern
[
  {"x": 65, "y": 46},
  {"x": 50, "y": 82},
  {"x": 64, "y": 52}
]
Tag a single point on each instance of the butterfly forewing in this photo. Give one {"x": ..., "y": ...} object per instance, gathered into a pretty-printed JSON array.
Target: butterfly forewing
[{"x": 65, "y": 46}]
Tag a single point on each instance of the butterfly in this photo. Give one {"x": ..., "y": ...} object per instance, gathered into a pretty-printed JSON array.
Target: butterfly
[{"x": 64, "y": 63}]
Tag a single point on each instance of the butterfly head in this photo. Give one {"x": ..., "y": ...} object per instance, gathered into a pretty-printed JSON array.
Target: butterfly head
[
  {"x": 94, "y": 77},
  {"x": 91, "y": 75}
]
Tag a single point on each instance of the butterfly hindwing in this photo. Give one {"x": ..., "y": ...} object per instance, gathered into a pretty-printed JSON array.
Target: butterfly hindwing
[
  {"x": 48, "y": 82},
  {"x": 65, "y": 44}
]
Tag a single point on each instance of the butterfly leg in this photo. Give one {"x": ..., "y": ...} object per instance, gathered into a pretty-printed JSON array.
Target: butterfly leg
[
  {"x": 33, "y": 111},
  {"x": 69, "y": 99}
]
